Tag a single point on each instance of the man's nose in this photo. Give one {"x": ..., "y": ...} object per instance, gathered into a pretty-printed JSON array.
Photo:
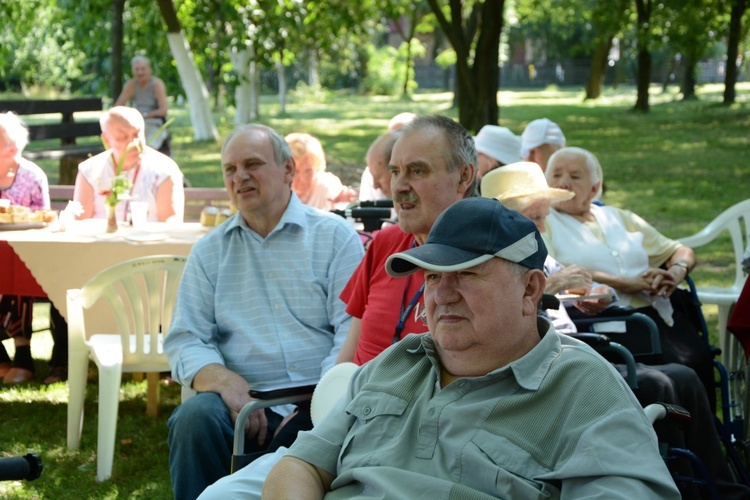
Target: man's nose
[
  {"x": 398, "y": 183},
  {"x": 241, "y": 173},
  {"x": 446, "y": 291}
]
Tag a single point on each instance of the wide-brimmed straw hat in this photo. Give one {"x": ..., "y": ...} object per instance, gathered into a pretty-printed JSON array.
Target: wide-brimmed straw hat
[{"x": 521, "y": 179}]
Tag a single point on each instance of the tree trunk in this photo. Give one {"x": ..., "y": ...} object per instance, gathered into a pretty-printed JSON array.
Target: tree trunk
[
  {"x": 192, "y": 81},
  {"x": 688, "y": 84},
  {"x": 598, "y": 69},
  {"x": 409, "y": 59},
  {"x": 313, "y": 77},
  {"x": 643, "y": 8},
  {"x": 245, "y": 94},
  {"x": 407, "y": 69},
  {"x": 476, "y": 85},
  {"x": 281, "y": 71},
  {"x": 733, "y": 44},
  {"x": 644, "y": 80},
  {"x": 195, "y": 90},
  {"x": 117, "y": 30}
]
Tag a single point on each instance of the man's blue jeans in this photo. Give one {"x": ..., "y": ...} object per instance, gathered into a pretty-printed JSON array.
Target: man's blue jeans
[{"x": 200, "y": 443}]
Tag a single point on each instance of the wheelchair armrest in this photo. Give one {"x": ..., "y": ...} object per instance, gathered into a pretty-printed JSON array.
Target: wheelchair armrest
[
  {"x": 616, "y": 311},
  {"x": 672, "y": 413},
  {"x": 630, "y": 317},
  {"x": 266, "y": 399},
  {"x": 592, "y": 339},
  {"x": 602, "y": 343}
]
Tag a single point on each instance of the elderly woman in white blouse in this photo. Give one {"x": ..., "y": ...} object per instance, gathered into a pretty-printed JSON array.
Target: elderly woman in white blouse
[{"x": 622, "y": 250}]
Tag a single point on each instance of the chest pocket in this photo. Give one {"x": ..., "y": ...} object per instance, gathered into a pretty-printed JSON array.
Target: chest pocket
[
  {"x": 494, "y": 465},
  {"x": 379, "y": 418}
]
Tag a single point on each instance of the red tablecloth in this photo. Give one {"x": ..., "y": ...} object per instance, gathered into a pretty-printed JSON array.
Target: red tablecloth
[
  {"x": 15, "y": 278},
  {"x": 739, "y": 321}
]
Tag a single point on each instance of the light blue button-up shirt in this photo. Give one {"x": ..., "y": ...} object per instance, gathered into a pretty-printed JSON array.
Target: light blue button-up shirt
[{"x": 266, "y": 308}]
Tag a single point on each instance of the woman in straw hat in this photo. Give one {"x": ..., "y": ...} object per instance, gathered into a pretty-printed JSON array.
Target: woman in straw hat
[{"x": 523, "y": 187}]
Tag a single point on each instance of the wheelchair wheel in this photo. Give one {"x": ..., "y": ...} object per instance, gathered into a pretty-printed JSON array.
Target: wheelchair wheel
[{"x": 739, "y": 398}]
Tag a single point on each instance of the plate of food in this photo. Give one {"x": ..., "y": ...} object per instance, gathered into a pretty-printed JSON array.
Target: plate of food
[
  {"x": 11, "y": 226},
  {"x": 17, "y": 218},
  {"x": 592, "y": 296}
]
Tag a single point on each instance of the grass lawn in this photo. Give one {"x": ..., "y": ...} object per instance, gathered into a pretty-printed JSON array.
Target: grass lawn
[{"x": 678, "y": 166}]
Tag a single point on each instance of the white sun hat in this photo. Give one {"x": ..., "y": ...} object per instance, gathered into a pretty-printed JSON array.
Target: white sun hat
[
  {"x": 498, "y": 143},
  {"x": 538, "y": 132}
]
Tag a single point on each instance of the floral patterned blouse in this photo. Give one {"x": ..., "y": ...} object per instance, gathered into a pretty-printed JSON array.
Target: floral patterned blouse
[{"x": 30, "y": 188}]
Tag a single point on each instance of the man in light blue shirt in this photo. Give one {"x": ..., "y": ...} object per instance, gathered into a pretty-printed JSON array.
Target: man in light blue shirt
[{"x": 258, "y": 307}]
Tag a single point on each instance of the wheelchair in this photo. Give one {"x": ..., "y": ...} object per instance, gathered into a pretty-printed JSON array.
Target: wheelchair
[{"x": 641, "y": 337}]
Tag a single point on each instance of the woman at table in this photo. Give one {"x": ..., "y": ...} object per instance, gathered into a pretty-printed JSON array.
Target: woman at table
[
  {"x": 22, "y": 183},
  {"x": 154, "y": 178},
  {"x": 312, "y": 183},
  {"x": 623, "y": 251}
]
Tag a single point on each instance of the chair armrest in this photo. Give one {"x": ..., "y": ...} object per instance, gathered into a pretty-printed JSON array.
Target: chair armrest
[{"x": 277, "y": 398}]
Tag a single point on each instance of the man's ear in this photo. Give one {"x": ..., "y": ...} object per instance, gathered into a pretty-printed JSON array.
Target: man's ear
[
  {"x": 467, "y": 173},
  {"x": 104, "y": 140},
  {"x": 535, "y": 283},
  {"x": 290, "y": 167}
]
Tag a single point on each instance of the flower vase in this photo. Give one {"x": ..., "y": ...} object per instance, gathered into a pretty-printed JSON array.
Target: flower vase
[{"x": 111, "y": 218}]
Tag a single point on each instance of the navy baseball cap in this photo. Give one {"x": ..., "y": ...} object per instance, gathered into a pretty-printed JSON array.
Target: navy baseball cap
[{"x": 471, "y": 232}]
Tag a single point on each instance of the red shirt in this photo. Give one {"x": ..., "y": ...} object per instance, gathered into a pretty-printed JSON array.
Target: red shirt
[{"x": 378, "y": 299}]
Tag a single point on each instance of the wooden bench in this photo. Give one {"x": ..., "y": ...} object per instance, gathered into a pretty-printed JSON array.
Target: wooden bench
[
  {"x": 68, "y": 129},
  {"x": 196, "y": 199}
]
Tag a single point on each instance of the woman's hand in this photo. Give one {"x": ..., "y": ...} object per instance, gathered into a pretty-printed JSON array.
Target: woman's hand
[
  {"x": 662, "y": 282},
  {"x": 593, "y": 307},
  {"x": 574, "y": 279}
]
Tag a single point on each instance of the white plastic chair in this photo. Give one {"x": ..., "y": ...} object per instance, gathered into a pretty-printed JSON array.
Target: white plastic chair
[
  {"x": 141, "y": 294},
  {"x": 736, "y": 220}
]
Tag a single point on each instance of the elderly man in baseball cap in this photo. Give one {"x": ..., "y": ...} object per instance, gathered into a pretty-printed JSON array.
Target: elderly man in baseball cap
[
  {"x": 491, "y": 403},
  {"x": 539, "y": 140}
]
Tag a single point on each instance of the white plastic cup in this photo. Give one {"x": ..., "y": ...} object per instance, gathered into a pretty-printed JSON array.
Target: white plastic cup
[{"x": 138, "y": 213}]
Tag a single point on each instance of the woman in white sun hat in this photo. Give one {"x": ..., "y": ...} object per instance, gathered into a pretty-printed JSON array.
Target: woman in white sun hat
[{"x": 496, "y": 146}]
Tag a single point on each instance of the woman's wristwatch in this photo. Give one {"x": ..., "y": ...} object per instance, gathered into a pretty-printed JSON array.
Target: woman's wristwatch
[{"x": 681, "y": 263}]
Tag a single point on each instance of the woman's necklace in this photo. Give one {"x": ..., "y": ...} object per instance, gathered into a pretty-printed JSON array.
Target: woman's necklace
[{"x": 6, "y": 181}]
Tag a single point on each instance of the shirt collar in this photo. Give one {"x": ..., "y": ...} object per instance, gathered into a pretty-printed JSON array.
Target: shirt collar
[
  {"x": 528, "y": 370},
  {"x": 295, "y": 214}
]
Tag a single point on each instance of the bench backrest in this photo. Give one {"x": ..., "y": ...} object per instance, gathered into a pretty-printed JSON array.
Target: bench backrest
[
  {"x": 59, "y": 196},
  {"x": 68, "y": 129},
  {"x": 196, "y": 199}
]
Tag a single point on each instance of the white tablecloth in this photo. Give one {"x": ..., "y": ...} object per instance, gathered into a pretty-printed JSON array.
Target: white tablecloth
[{"x": 63, "y": 260}]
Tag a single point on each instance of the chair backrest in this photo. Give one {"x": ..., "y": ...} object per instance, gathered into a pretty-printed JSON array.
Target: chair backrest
[
  {"x": 736, "y": 220},
  {"x": 141, "y": 295}
]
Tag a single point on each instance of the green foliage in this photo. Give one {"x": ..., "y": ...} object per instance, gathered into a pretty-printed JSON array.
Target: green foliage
[
  {"x": 310, "y": 94},
  {"x": 383, "y": 71}
]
